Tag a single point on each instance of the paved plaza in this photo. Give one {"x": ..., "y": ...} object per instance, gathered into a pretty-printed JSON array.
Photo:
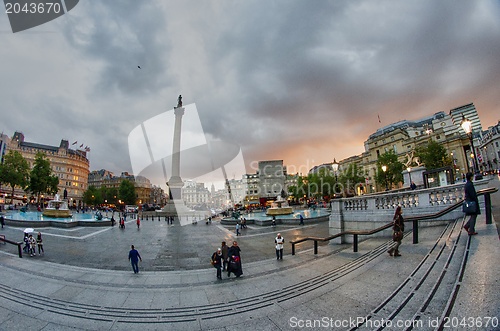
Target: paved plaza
[{"x": 85, "y": 282}]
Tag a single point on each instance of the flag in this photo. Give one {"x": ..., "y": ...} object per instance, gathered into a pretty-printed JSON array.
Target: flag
[
  {"x": 74, "y": 143},
  {"x": 81, "y": 145},
  {"x": 378, "y": 118},
  {"x": 87, "y": 149}
]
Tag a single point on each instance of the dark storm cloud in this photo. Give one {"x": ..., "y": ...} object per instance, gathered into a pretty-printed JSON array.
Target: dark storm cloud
[
  {"x": 293, "y": 80},
  {"x": 306, "y": 69},
  {"x": 122, "y": 36}
]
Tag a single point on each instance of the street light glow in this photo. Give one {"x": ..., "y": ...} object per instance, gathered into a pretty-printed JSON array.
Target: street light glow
[{"x": 466, "y": 125}]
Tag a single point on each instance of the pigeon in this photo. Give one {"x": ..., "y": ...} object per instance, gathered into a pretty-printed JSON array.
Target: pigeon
[{"x": 139, "y": 67}]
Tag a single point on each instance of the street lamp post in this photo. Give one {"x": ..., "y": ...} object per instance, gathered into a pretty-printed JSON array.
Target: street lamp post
[
  {"x": 467, "y": 126},
  {"x": 335, "y": 168},
  {"x": 384, "y": 169}
]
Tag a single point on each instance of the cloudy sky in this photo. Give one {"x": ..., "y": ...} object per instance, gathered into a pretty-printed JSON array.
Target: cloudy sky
[{"x": 300, "y": 81}]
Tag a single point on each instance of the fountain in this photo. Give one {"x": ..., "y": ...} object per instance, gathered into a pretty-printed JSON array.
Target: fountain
[
  {"x": 57, "y": 208},
  {"x": 279, "y": 207}
]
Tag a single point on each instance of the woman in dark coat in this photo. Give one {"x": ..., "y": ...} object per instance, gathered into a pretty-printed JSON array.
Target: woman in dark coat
[
  {"x": 234, "y": 264},
  {"x": 398, "y": 230},
  {"x": 470, "y": 195}
]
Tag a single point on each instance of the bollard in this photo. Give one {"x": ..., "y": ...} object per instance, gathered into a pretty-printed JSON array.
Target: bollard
[
  {"x": 415, "y": 231},
  {"x": 315, "y": 247},
  {"x": 487, "y": 207},
  {"x": 293, "y": 248},
  {"x": 20, "y": 250},
  {"x": 355, "y": 243}
]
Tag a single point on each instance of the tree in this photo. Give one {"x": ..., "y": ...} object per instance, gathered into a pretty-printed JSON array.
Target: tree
[
  {"x": 92, "y": 196},
  {"x": 15, "y": 171},
  {"x": 393, "y": 174},
  {"x": 433, "y": 155},
  {"x": 41, "y": 178},
  {"x": 352, "y": 178},
  {"x": 126, "y": 192},
  {"x": 109, "y": 195}
]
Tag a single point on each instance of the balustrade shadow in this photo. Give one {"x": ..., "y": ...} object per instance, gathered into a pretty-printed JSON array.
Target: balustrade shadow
[{"x": 414, "y": 219}]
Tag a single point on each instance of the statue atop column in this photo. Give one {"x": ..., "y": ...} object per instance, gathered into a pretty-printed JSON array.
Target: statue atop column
[{"x": 179, "y": 101}]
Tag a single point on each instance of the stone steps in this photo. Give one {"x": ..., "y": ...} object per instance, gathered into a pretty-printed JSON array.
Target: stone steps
[{"x": 423, "y": 294}]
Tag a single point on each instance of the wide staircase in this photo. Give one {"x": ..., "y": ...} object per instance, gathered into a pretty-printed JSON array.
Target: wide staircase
[{"x": 437, "y": 283}]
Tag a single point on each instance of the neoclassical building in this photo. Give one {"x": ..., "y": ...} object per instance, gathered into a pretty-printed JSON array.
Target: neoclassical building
[
  {"x": 489, "y": 147},
  {"x": 404, "y": 136},
  {"x": 70, "y": 165}
]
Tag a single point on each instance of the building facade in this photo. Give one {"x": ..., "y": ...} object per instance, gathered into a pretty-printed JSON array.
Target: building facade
[
  {"x": 272, "y": 175},
  {"x": 104, "y": 178},
  {"x": 489, "y": 149},
  {"x": 71, "y": 166},
  {"x": 404, "y": 137}
]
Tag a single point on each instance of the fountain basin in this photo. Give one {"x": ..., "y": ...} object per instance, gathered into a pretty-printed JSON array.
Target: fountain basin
[
  {"x": 34, "y": 219},
  {"x": 279, "y": 211},
  {"x": 261, "y": 218},
  {"x": 57, "y": 208}
]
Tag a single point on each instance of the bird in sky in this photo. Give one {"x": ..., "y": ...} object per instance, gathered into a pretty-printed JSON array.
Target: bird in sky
[{"x": 139, "y": 67}]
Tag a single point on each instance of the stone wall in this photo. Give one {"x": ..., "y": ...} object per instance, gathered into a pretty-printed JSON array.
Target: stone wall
[{"x": 370, "y": 211}]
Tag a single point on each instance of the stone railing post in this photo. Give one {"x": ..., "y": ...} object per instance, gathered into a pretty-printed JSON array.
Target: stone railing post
[{"x": 337, "y": 220}]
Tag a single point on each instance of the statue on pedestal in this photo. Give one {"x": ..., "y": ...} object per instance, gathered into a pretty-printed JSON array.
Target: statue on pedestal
[{"x": 179, "y": 101}]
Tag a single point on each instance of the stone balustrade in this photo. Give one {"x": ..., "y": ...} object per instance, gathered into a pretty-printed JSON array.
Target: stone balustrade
[{"x": 370, "y": 211}]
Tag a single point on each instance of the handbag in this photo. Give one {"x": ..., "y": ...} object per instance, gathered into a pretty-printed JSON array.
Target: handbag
[
  {"x": 397, "y": 235},
  {"x": 469, "y": 207}
]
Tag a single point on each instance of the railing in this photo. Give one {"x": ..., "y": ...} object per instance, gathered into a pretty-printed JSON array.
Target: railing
[
  {"x": 414, "y": 219},
  {"x": 19, "y": 244}
]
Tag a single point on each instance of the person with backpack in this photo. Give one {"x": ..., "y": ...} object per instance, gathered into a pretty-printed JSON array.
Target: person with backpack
[
  {"x": 216, "y": 261},
  {"x": 471, "y": 196}
]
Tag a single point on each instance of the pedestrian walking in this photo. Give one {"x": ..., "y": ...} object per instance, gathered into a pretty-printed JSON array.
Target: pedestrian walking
[
  {"x": 279, "y": 241},
  {"x": 216, "y": 261},
  {"x": 32, "y": 245},
  {"x": 397, "y": 231},
  {"x": 237, "y": 228},
  {"x": 138, "y": 222},
  {"x": 2, "y": 221},
  {"x": 39, "y": 243},
  {"x": 224, "y": 250},
  {"x": 301, "y": 219},
  {"x": 134, "y": 258},
  {"x": 273, "y": 222},
  {"x": 26, "y": 242},
  {"x": 234, "y": 264},
  {"x": 471, "y": 197}
]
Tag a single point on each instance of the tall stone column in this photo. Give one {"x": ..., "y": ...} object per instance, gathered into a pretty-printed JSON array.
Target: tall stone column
[{"x": 175, "y": 182}]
